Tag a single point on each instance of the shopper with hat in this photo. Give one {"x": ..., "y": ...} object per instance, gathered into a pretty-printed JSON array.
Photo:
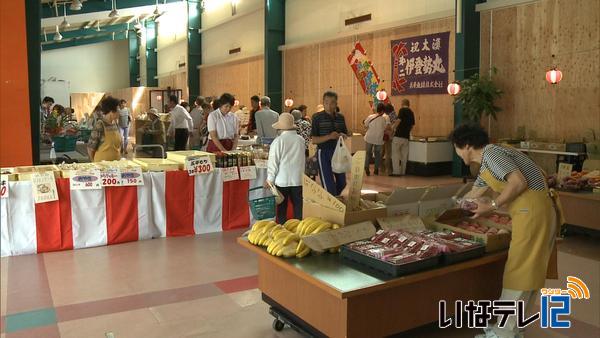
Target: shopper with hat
[
  {"x": 286, "y": 166},
  {"x": 154, "y": 132}
]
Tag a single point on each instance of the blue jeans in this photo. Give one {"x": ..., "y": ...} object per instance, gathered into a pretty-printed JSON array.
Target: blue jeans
[
  {"x": 124, "y": 138},
  {"x": 332, "y": 182},
  {"x": 370, "y": 149}
]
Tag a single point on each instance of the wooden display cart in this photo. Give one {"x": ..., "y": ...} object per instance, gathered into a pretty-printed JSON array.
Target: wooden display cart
[
  {"x": 581, "y": 209},
  {"x": 324, "y": 296}
]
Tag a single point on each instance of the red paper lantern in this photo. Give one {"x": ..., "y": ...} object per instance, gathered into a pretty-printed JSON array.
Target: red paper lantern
[
  {"x": 453, "y": 88},
  {"x": 289, "y": 102},
  {"x": 381, "y": 95},
  {"x": 554, "y": 76}
]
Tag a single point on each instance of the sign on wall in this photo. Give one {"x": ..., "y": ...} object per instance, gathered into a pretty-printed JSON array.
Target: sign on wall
[{"x": 420, "y": 64}]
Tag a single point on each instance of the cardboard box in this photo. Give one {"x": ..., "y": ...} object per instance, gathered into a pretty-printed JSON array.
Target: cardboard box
[
  {"x": 156, "y": 164},
  {"x": 24, "y": 173},
  {"x": 355, "y": 143},
  {"x": 450, "y": 218},
  {"x": 405, "y": 222},
  {"x": 402, "y": 201},
  {"x": 438, "y": 199},
  {"x": 181, "y": 156},
  {"x": 319, "y": 203},
  {"x": 334, "y": 238},
  {"x": 68, "y": 173}
]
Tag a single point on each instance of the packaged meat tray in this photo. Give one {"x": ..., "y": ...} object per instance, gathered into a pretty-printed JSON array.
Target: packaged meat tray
[{"x": 405, "y": 264}]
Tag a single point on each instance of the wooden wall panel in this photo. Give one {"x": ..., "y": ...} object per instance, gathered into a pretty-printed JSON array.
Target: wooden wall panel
[
  {"x": 243, "y": 79},
  {"x": 176, "y": 81},
  {"x": 523, "y": 40},
  {"x": 311, "y": 70},
  {"x": 84, "y": 103}
]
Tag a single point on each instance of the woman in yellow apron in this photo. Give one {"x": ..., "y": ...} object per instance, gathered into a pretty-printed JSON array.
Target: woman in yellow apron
[
  {"x": 533, "y": 208},
  {"x": 105, "y": 140}
]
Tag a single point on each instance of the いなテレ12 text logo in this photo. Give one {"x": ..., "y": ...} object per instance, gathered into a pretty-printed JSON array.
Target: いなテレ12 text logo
[{"x": 555, "y": 304}]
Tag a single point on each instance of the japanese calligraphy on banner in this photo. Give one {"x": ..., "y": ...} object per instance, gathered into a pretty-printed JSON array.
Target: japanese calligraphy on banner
[
  {"x": 420, "y": 64},
  {"x": 365, "y": 72}
]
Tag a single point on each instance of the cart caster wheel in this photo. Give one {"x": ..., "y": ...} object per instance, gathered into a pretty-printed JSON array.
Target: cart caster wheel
[{"x": 278, "y": 325}]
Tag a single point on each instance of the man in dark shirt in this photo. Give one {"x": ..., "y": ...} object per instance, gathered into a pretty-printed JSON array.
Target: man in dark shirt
[
  {"x": 254, "y": 101},
  {"x": 327, "y": 127},
  {"x": 403, "y": 126}
]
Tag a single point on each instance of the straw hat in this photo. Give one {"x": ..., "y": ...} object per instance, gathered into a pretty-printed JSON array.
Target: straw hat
[
  {"x": 286, "y": 122},
  {"x": 153, "y": 111}
]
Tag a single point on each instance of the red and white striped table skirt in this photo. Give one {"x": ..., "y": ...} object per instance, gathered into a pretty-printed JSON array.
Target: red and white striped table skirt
[{"x": 168, "y": 204}]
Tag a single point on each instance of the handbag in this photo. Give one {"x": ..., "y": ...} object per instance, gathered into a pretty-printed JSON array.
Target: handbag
[{"x": 276, "y": 193}]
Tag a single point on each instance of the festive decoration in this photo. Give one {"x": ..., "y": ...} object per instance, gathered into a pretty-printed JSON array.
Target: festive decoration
[
  {"x": 289, "y": 102},
  {"x": 236, "y": 102},
  {"x": 365, "y": 73},
  {"x": 554, "y": 76},
  {"x": 453, "y": 88},
  {"x": 381, "y": 95},
  {"x": 420, "y": 64}
]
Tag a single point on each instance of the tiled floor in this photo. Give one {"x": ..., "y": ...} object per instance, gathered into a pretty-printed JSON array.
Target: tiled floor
[{"x": 203, "y": 286}]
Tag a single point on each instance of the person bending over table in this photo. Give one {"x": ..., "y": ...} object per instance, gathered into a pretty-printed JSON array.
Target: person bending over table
[
  {"x": 327, "y": 126},
  {"x": 223, "y": 126},
  {"x": 105, "y": 140},
  {"x": 181, "y": 123},
  {"x": 534, "y": 210}
]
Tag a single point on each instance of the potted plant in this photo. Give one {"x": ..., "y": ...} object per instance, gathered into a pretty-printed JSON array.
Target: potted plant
[{"x": 477, "y": 97}]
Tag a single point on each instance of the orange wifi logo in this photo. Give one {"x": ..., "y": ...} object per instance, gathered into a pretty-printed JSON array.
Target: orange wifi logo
[{"x": 577, "y": 288}]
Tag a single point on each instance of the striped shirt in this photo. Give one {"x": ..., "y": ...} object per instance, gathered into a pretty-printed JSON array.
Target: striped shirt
[
  {"x": 501, "y": 161},
  {"x": 324, "y": 124}
]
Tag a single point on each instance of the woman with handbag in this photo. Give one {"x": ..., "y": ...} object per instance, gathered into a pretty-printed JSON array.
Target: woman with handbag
[
  {"x": 105, "y": 141},
  {"x": 376, "y": 125},
  {"x": 286, "y": 166}
]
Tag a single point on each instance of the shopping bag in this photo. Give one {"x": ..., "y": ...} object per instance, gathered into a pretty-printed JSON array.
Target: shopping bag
[
  {"x": 342, "y": 159},
  {"x": 276, "y": 193}
]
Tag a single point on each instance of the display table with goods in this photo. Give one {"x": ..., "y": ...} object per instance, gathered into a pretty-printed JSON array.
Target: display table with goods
[
  {"x": 335, "y": 274},
  {"x": 579, "y": 193},
  {"x": 72, "y": 206},
  {"x": 429, "y": 156}
]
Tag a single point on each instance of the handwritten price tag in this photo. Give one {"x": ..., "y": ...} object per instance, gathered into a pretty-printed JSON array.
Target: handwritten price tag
[
  {"x": 86, "y": 180},
  {"x": 3, "y": 186},
  {"x": 261, "y": 163},
  {"x": 564, "y": 170},
  {"x": 44, "y": 187},
  {"x": 198, "y": 165},
  {"x": 132, "y": 176},
  {"x": 248, "y": 173},
  {"x": 111, "y": 177},
  {"x": 230, "y": 174}
]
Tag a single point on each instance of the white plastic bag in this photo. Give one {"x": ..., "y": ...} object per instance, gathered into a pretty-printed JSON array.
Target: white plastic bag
[{"x": 341, "y": 162}]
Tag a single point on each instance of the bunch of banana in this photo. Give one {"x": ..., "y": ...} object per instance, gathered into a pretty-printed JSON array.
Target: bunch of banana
[
  {"x": 259, "y": 234},
  {"x": 283, "y": 242},
  {"x": 292, "y": 224},
  {"x": 312, "y": 225}
]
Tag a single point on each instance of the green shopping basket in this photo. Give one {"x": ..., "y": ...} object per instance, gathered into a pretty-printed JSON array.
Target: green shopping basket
[{"x": 263, "y": 207}]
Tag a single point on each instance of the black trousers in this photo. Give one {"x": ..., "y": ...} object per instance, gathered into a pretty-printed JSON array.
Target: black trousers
[
  {"x": 181, "y": 138},
  {"x": 295, "y": 194}
]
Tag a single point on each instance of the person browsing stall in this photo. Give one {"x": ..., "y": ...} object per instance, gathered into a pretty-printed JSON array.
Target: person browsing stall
[
  {"x": 124, "y": 121},
  {"x": 105, "y": 140},
  {"x": 181, "y": 123},
  {"x": 286, "y": 166},
  {"x": 197, "y": 115},
  {"x": 156, "y": 130},
  {"x": 534, "y": 210},
  {"x": 303, "y": 128},
  {"x": 376, "y": 125},
  {"x": 255, "y": 104},
  {"x": 265, "y": 118},
  {"x": 327, "y": 127},
  {"x": 223, "y": 126},
  {"x": 400, "y": 143}
]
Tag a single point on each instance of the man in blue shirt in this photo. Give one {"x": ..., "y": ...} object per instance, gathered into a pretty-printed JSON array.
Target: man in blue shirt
[{"x": 327, "y": 126}]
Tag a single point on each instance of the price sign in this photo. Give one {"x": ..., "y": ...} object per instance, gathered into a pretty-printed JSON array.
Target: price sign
[
  {"x": 131, "y": 176},
  {"x": 564, "y": 170},
  {"x": 197, "y": 165},
  {"x": 230, "y": 174},
  {"x": 3, "y": 186},
  {"x": 86, "y": 180},
  {"x": 261, "y": 163},
  {"x": 111, "y": 177},
  {"x": 248, "y": 173},
  {"x": 44, "y": 187}
]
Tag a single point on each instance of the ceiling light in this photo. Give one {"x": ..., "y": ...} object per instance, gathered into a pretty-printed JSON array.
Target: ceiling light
[
  {"x": 76, "y": 5},
  {"x": 65, "y": 23},
  {"x": 57, "y": 36},
  {"x": 114, "y": 12}
]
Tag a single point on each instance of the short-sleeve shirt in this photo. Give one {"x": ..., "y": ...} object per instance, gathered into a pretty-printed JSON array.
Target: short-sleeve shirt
[
  {"x": 226, "y": 126},
  {"x": 324, "y": 124},
  {"x": 407, "y": 121},
  {"x": 97, "y": 134},
  {"x": 501, "y": 161}
]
